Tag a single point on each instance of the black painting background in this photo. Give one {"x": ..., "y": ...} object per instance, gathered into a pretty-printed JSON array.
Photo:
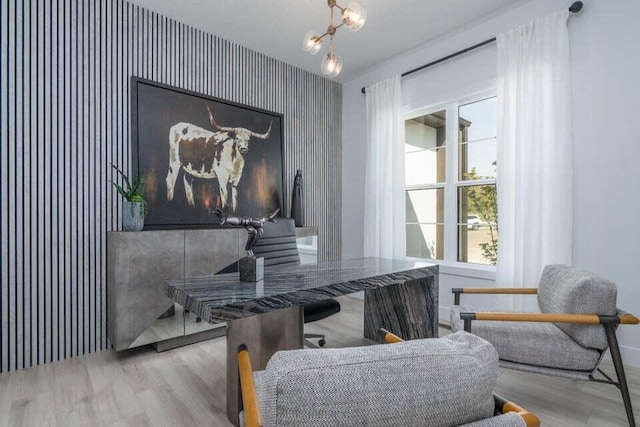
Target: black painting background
[{"x": 260, "y": 188}]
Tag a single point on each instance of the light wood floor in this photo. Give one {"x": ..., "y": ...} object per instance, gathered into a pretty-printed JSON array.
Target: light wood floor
[{"x": 186, "y": 386}]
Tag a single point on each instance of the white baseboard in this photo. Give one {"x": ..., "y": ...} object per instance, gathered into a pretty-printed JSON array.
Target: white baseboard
[
  {"x": 444, "y": 315},
  {"x": 630, "y": 356}
]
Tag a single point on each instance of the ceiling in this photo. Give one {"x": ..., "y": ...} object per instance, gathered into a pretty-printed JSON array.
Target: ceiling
[{"x": 277, "y": 27}]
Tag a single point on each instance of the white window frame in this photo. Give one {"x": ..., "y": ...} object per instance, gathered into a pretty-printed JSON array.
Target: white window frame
[{"x": 451, "y": 185}]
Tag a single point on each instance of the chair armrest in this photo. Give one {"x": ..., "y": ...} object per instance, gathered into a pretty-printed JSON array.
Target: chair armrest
[
  {"x": 584, "y": 319},
  {"x": 491, "y": 291},
  {"x": 248, "y": 389},
  {"x": 503, "y": 406},
  {"x": 388, "y": 337},
  {"x": 628, "y": 319}
]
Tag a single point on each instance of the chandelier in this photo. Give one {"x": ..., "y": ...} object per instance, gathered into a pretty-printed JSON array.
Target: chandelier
[{"x": 353, "y": 17}]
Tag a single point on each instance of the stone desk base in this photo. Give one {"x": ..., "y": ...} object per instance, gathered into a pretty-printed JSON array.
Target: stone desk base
[{"x": 408, "y": 310}]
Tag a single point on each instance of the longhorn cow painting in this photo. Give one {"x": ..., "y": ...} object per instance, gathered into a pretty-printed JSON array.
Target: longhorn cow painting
[{"x": 197, "y": 153}]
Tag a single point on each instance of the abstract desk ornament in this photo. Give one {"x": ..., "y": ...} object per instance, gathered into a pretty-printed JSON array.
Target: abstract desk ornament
[{"x": 251, "y": 268}]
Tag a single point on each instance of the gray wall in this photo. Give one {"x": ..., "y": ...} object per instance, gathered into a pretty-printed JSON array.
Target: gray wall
[{"x": 65, "y": 117}]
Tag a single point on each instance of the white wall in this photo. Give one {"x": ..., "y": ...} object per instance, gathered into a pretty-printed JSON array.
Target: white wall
[{"x": 605, "y": 68}]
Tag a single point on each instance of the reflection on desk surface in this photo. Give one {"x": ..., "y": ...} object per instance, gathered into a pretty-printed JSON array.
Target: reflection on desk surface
[{"x": 178, "y": 325}]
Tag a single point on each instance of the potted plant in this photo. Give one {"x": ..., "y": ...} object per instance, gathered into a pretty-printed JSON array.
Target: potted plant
[{"x": 135, "y": 207}]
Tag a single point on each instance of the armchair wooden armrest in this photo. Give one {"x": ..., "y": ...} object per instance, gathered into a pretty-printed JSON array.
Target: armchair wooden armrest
[
  {"x": 503, "y": 406},
  {"x": 584, "y": 319},
  {"x": 248, "y": 389},
  {"x": 388, "y": 337},
  {"x": 491, "y": 291}
]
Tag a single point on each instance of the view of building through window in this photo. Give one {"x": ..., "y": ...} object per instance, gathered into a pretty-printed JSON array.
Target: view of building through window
[
  {"x": 461, "y": 182},
  {"x": 425, "y": 175}
]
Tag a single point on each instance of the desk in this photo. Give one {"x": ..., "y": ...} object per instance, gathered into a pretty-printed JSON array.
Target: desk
[{"x": 400, "y": 296}]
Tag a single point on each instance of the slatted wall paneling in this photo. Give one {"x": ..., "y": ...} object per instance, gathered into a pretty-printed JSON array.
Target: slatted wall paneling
[{"x": 65, "y": 117}]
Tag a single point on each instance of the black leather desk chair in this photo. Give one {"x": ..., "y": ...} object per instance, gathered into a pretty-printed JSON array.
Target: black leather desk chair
[{"x": 278, "y": 247}]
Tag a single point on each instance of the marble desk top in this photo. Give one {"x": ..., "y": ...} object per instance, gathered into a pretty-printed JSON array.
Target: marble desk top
[{"x": 224, "y": 297}]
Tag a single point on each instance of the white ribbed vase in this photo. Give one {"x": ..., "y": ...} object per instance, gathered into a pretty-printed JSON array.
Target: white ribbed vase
[{"x": 132, "y": 216}]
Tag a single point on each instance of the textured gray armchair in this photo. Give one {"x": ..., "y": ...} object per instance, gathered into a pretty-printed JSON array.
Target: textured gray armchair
[
  {"x": 577, "y": 323},
  {"x": 430, "y": 382}
]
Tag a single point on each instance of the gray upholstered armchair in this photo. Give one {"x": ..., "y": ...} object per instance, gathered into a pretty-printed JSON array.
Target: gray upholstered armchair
[
  {"x": 577, "y": 323},
  {"x": 429, "y": 382}
]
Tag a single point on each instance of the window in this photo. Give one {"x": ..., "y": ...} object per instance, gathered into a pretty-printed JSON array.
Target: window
[{"x": 451, "y": 211}]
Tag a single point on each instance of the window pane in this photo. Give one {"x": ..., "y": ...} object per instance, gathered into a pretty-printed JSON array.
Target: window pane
[
  {"x": 425, "y": 206},
  {"x": 478, "y": 227},
  {"x": 477, "y": 140},
  {"x": 425, "y": 132},
  {"x": 478, "y": 120},
  {"x": 425, "y": 167},
  {"x": 425, "y": 241},
  {"x": 477, "y": 160},
  {"x": 425, "y": 139},
  {"x": 478, "y": 246}
]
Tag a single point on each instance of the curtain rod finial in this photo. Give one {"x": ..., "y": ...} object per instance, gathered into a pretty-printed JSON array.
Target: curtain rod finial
[{"x": 576, "y": 7}]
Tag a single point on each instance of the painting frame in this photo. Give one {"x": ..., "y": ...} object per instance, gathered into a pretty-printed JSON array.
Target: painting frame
[{"x": 135, "y": 137}]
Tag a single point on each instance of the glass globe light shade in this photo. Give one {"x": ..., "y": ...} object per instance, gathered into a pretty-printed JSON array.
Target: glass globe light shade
[
  {"x": 332, "y": 64},
  {"x": 354, "y": 16},
  {"x": 312, "y": 43},
  {"x": 337, "y": 68}
]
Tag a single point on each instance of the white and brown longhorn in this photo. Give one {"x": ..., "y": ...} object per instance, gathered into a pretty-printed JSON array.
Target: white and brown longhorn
[{"x": 210, "y": 155}]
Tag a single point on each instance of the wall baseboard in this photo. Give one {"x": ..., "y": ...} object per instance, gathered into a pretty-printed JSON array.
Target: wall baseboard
[
  {"x": 630, "y": 356},
  {"x": 444, "y": 314}
]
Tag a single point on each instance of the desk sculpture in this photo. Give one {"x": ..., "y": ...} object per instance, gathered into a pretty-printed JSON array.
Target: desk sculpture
[{"x": 251, "y": 268}]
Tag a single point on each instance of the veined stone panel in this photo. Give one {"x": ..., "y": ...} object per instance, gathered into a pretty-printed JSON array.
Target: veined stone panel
[{"x": 64, "y": 104}]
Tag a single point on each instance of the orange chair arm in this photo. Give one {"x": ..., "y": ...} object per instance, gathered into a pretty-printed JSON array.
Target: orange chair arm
[
  {"x": 585, "y": 319},
  {"x": 504, "y": 406},
  {"x": 388, "y": 337},
  {"x": 628, "y": 319},
  {"x": 248, "y": 389}
]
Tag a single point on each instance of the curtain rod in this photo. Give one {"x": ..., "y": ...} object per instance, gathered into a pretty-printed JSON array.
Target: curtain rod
[{"x": 574, "y": 8}]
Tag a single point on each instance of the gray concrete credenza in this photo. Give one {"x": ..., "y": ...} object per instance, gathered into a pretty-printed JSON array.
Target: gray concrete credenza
[{"x": 139, "y": 263}]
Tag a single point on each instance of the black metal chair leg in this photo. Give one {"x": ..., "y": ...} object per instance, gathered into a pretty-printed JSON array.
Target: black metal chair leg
[
  {"x": 467, "y": 325},
  {"x": 622, "y": 378}
]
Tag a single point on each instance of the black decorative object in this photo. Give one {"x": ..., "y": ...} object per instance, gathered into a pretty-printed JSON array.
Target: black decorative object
[
  {"x": 296, "y": 200},
  {"x": 197, "y": 153},
  {"x": 251, "y": 268}
]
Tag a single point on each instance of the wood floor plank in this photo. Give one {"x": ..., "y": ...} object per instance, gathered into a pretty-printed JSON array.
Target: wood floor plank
[
  {"x": 187, "y": 386},
  {"x": 163, "y": 408},
  {"x": 35, "y": 410},
  {"x": 140, "y": 420}
]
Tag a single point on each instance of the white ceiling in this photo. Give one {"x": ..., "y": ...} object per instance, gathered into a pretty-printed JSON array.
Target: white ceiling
[{"x": 277, "y": 27}]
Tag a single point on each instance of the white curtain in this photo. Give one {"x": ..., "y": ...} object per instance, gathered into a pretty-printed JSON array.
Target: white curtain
[
  {"x": 534, "y": 151},
  {"x": 383, "y": 198}
]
